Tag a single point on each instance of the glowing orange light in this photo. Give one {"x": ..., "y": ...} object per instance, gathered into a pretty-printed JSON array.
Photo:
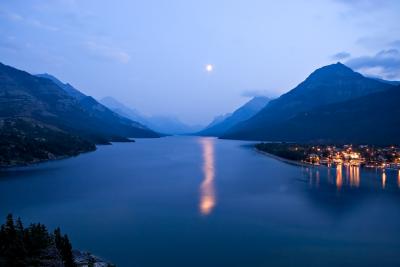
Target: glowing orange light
[
  {"x": 355, "y": 176},
  {"x": 207, "y": 191},
  {"x": 339, "y": 178},
  {"x": 383, "y": 180},
  {"x": 398, "y": 179}
]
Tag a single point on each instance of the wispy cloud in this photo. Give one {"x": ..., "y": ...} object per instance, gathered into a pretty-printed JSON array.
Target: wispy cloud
[
  {"x": 39, "y": 24},
  {"x": 384, "y": 64},
  {"x": 9, "y": 43},
  {"x": 18, "y": 18},
  {"x": 373, "y": 42},
  {"x": 341, "y": 55},
  {"x": 366, "y": 5},
  {"x": 107, "y": 52},
  {"x": 11, "y": 16},
  {"x": 395, "y": 43}
]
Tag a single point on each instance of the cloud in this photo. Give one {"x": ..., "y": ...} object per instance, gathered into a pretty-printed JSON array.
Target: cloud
[
  {"x": 373, "y": 42},
  {"x": 9, "y": 42},
  {"x": 38, "y": 24},
  {"x": 368, "y": 12},
  {"x": 341, "y": 55},
  {"x": 366, "y": 4},
  {"x": 107, "y": 52},
  {"x": 11, "y": 16},
  {"x": 17, "y": 18},
  {"x": 395, "y": 43},
  {"x": 385, "y": 64}
]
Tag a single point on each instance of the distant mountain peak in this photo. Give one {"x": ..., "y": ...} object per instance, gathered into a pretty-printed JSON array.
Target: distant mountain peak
[
  {"x": 259, "y": 99},
  {"x": 43, "y": 100},
  {"x": 162, "y": 124},
  {"x": 222, "y": 123},
  {"x": 327, "y": 85},
  {"x": 334, "y": 70}
]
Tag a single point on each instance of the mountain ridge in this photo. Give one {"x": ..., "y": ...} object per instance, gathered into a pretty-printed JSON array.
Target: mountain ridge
[
  {"x": 98, "y": 111},
  {"x": 162, "y": 124},
  {"x": 244, "y": 112},
  {"x": 370, "y": 119},
  {"x": 327, "y": 85},
  {"x": 35, "y": 112}
]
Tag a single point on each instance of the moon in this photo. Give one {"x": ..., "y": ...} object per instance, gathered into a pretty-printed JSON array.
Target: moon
[{"x": 209, "y": 67}]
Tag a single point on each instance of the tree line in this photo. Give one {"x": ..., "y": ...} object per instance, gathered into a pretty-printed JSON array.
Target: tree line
[{"x": 33, "y": 245}]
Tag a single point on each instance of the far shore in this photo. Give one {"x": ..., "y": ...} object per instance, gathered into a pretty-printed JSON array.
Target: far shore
[
  {"x": 289, "y": 161},
  {"x": 35, "y": 162},
  {"x": 305, "y": 164}
]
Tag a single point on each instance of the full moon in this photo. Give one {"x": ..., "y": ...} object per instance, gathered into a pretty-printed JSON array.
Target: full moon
[{"x": 209, "y": 68}]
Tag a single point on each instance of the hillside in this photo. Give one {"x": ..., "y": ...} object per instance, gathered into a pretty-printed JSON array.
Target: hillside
[
  {"x": 111, "y": 123},
  {"x": 371, "y": 119},
  {"x": 327, "y": 85},
  {"x": 41, "y": 121}
]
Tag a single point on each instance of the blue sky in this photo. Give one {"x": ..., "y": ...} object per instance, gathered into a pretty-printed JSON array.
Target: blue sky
[{"x": 151, "y": 55}]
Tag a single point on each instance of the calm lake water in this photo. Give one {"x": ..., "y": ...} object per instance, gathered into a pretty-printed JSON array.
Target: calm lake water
[{"x": 188, "y": 201}]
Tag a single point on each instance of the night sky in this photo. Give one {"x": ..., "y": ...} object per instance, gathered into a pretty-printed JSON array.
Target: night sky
[{"x": 152, "y": 55}]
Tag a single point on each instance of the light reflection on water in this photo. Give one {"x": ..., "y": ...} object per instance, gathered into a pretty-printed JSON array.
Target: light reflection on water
[
  {"x": 339, "y": 177},
  {"x": 354, "y": 176},
  {"x": 383, "y": 179},
  {"x": 350, "y": 177},
  {"x": 161, "y": 210},
  {"x": 313, "y": 177},
  {"x": 207, "y": 190},
  {"x": 398, "y": 178}
]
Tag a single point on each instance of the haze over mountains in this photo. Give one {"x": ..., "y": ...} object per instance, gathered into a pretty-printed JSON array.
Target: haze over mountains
[
  {"x": 113, "y": 126},
  {"x": 41, "y": 120},
  {"x": 223, "y": 123},
  {"x": 162, "y": 124},
  {"x": 218, "y": 119}
]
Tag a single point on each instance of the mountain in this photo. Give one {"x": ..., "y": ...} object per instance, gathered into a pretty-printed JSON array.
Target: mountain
[
  {"x": 65, "y": 86},
  {"x": 243, "y": 113},
  {"x": 386, "y": 81},
  {"x": 162, "y": 124},
  {"x": 113, "y": 125},
  {"x": 218, "y": 119},
  {"x": 371, "y": 119},
  {"x": 171, "y": 125},
  {"x": 330, "y": 84},
  {"x": 123, "y": 110},
  {"x": 23, "y": 140},
  {"x": 39, "y": 120}
]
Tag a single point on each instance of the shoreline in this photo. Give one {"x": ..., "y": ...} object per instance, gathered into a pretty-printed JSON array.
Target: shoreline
[
  {"x": 304, "y": 164},
  {"x": 37, "y": 162},
  {"x": 289, "y": 161},
  {"x": 85, "y": 258},
  {"x": 40, "y": 161}
]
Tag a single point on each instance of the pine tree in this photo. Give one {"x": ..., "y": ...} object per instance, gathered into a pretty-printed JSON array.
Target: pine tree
[
  {"x": 64, "y": 246},
  {"x": 67, "y": 253},
  {"x": 33, "y": 246},
  {"x": 12, "y": 248}
]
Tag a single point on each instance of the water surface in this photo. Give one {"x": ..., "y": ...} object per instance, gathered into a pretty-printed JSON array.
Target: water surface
[{"x": 188, "y": 201}]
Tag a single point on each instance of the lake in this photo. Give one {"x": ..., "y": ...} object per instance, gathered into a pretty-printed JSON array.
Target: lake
[{"x": 191, "y": 201}]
